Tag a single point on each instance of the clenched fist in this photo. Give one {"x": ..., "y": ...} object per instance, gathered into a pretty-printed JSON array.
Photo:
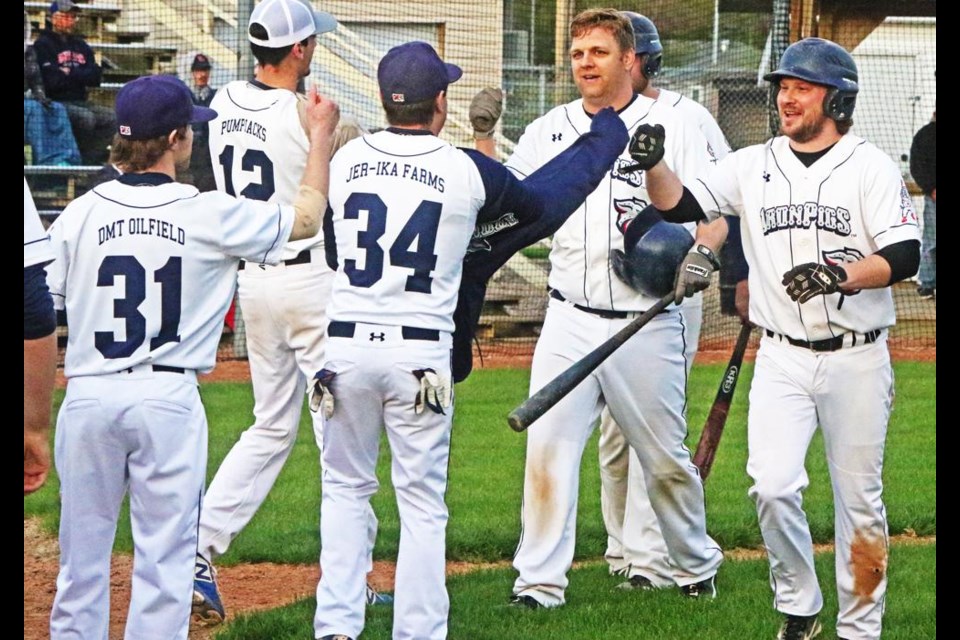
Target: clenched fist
[
  {"x": 485, "y": 110},
  {"x": 646, "y": 147}
]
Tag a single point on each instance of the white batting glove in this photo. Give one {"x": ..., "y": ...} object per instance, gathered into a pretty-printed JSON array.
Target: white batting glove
[
  {"x": 321, "y": 394},
  {"x": 435, "y": 392}
]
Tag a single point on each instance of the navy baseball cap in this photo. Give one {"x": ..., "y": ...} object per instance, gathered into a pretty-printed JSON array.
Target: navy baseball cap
[
  {"x": 200, "y": 63},
  {"x": 413, "y": 72},
  {"x": 153, "y": 106},
  {"x": 66, "y": 6}
]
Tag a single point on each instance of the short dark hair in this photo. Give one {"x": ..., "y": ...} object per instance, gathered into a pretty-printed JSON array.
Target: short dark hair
[
  {"x": 267, "y": 55},
  {"x": 844, "y": 126},
  {"x": 413, "y": 114},
  {"x": 133, "y": 156}
]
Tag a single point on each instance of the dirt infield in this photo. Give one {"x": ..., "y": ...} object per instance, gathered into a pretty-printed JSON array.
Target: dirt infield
[{"x": 245, "y": 588}]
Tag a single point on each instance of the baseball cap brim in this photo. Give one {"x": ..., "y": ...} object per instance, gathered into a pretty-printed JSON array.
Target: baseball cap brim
[
  {"x": 454, "y": 72},
  {"x": 202, "y": 114},
  {"x": 324, "y": 21}
]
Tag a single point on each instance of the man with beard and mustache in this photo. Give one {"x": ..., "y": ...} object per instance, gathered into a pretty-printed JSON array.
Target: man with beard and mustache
[{"x": 827, "y": 226}]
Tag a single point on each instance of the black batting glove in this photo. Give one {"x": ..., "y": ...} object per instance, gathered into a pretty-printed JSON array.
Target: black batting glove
[
  {"x": 811, "y": 279},
  {"x": 646, "y": 147}
]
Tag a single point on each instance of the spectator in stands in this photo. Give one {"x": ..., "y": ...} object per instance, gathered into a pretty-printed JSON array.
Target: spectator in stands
[
  {"x": 923, "y": 168},
  {"x": 68, "y": 67},
  {"x": 201, "y": 170},
  {"x": 46, "y": 127}
]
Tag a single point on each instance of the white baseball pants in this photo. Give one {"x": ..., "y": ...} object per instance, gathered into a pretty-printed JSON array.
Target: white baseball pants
[
  {"x": 374, "y": 391},
  {"x": 849, "y": 394},
  {"x": 144, "y": 432},
  {"x": 643, "y": 383}
]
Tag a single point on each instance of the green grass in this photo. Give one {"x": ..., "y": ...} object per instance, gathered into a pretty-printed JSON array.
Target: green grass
[
  {"x": 486, "y": 474},
  {"x": 595, "y": 610}
]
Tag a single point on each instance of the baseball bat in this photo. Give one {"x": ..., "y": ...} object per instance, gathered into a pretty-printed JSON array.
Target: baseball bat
[
  {"x": 540, "y": 402},
  {"x": 713, "y": 427}
]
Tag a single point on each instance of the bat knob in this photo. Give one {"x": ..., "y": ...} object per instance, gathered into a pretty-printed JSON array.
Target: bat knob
[{"x": 516, "y": 422}]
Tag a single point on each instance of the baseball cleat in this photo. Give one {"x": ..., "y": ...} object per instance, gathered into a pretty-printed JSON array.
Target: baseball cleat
[
  {"x": 705, "y": 589},
  {"x": 926, "y": 293},
  {"x": 525, "y": 602},
  {"x": 636, "y": 583},
  {"x": 799, "y": 628},
  {"x": 374, "y": 598},
  {"x": 207, "y": 609}
]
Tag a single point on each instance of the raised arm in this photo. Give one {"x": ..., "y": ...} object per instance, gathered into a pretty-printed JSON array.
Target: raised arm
[{"x": 322, "y": 117}]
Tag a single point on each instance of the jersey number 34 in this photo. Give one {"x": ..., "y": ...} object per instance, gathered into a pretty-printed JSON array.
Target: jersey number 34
[{"x": 421, "y": 229}]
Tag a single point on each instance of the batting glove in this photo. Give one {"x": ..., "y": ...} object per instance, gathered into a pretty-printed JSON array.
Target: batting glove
[
  {"x": 811, "y": 279},
  {"x": 646, "y": 147},
  {"x": 321, "y": 394},
  {"x": 694, "y": 272},
  {"x": 435, "y": 392},
  {"x": 485, "y": 110}
]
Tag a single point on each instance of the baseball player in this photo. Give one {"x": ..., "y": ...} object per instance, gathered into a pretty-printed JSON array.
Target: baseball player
[
  {"x": 258, "y": 145},
  {"x": 827, "y": 227},
  {"x": 587, "y": 305},
  {"x": 404, "y": 207},
  {"x": 145, "y": 269},
  {"x": 39, "y": 347},
  {"x": 635, "y": 546}
]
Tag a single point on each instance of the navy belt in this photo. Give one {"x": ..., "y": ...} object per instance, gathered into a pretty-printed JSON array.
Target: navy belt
[
  {"x": 608, "y": 314},
  {"x": 830, "y": 344},
  {"x": 301, "y": 258},
  {"x": 162, "y": 368},
  {"x": 338, "y": 329}
]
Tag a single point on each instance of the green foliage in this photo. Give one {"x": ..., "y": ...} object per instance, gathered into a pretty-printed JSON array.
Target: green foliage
[{"x": 595, "y": 609}]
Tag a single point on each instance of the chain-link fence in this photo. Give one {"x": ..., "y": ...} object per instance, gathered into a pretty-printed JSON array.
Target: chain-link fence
[{"x": 715, "y": 52}]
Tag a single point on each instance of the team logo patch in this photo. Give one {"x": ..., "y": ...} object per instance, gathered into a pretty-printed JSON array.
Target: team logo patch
[
  {"x": 125, "y": 130},
  {"x": 479, "y": 242},
  {"x": 633, "y": 178},
  {"x": 908, "y": 215},
  {"x": 842, "y": 256},
  {"x": 628, "y": 209},
  {"x": 398, "y": 97}
]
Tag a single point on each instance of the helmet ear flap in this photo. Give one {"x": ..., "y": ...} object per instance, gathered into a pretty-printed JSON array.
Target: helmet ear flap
[
  {"x": 651, "y": 68},
  {"x": 838, "y": 105}
]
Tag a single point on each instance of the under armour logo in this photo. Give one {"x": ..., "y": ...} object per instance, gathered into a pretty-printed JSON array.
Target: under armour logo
[
  {"x": 766, "y": 177},
  {"x": 378, "y": 336},
  {"x": 556, "y": 136}
]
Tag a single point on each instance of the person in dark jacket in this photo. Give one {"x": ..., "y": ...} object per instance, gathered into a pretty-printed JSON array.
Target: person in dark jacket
[
  {"x": 201, "y": 169},
  {"x": 46, "y": 126},
  {"x": 923, "y": 168},
  {"x": 68, "y": 67}
]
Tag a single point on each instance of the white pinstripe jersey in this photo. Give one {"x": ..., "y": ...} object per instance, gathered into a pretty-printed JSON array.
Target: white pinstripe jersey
[
  {"x": 146, "y": 273},
  {"x": 696, "y": 113},
  {"x": 579, "y": 258},
  {"x": 259, "y": 147},
  {"x": 404, "y": 208},
  {"x": 844, "y": 207}
]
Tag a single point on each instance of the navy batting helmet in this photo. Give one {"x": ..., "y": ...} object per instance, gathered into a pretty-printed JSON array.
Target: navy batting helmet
[
  {"x": 647, "y": 42},
  {"x": 826, "y": 63},
  {"x": 650, "y": 264}
]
